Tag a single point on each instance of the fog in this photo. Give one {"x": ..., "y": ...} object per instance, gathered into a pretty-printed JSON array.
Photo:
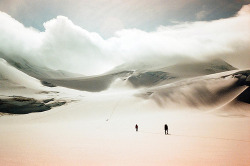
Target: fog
[{"x": 66, "y": 46}]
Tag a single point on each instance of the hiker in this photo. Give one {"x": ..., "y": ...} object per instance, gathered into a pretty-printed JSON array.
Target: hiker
[
  {"x": 166, "y": 129},
  {"x": 136, "y": 127}
]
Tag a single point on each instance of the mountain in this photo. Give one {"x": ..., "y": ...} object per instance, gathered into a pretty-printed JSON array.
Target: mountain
[
  {"x": 22, "y": 94},
  {"x": 11, "y": 75},
  {"x": 142, "y": 77},
  {"x": 91, "y": 83},
  {"x": 36, "y": 71},
  {"x": 198, "y": 68}
]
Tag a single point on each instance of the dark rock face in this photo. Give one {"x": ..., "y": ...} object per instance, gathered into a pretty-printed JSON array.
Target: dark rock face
[
  {"x": 248, "y": 81},
  {"x": 23, "y": 105},
  {"x": 243, "y": 76},
  {"x": 45, "y": 83},
  {"x": 245, "y": 96},
  {"x": 148, "y": 78}
]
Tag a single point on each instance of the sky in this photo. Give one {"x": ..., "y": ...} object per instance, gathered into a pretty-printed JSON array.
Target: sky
[
  {"x": 107, "y": 16},
  {"x": 91, "y": 37}
]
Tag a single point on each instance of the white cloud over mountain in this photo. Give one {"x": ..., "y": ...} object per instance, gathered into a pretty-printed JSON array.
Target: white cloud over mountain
[{"x": 66, "y": 46}]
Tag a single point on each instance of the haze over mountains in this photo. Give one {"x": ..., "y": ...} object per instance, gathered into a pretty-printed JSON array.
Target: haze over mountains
[
  {"x": 139, "y": 76},
  {"x": 194, "y": 74}
]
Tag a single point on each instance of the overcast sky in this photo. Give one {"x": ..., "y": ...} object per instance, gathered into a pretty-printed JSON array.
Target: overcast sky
[
  {"x": 92, "y": 37},
  {"x": 107, "y": 16}
]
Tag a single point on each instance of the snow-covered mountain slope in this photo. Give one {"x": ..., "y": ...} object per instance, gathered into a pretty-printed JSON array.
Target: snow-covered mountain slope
[
  {"x": 39, "y": 72},
  {"x": 144, "y": 78},
  {"x": 13, "y": 75}
]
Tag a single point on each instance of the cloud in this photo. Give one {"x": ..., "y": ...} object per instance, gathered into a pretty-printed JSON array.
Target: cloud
[
  {"x": 201, "y": 14},
  {"x": 96, "y": 15},
  {"x": 66, "y": 46}
]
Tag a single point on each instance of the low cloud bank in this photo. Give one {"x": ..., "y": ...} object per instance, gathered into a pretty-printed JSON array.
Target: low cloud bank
[{"x": 66, "y": 46}]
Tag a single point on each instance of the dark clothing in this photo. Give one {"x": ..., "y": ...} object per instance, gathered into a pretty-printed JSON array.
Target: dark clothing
[
  {"x": 136, "y": 127},
  {"x": 166, "y": 129}
]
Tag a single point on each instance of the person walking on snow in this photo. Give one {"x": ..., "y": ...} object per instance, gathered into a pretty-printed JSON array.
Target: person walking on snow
[
  {"x": 136, "y": 127},
  {"x": 166, "y": 129}
]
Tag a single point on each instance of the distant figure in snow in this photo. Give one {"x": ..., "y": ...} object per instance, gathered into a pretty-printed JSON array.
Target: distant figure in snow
[
  {"x": 166, "y": 129},
  {"x": 136, "y": 127}
]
